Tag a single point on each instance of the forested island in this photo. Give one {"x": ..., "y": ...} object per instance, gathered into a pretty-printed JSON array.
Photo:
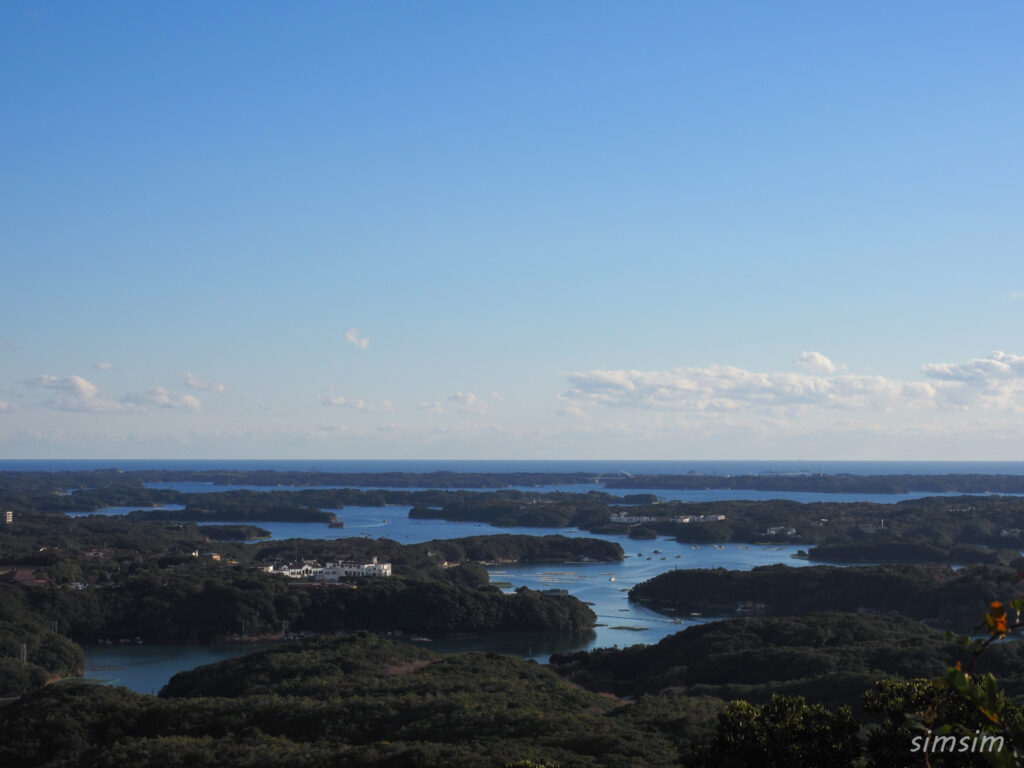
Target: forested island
[
  {"x": 805, "y": 482},
  {"x": 960, "y": 529},
  {"x": 361, "y": 700},
  {"x": 964, "y": 483},
  {"x": 167, "y": 574},
  {"x": 233, "y": 532},
  {"x": 830, "y": 658},
  {"x": 113, "y": 578},
  {"x": 955, "y": 530},
  {"x": 939, "y": 595}
]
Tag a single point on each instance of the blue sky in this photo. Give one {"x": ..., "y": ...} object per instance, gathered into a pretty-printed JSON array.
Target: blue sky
[{"x": 515, "y": 230}]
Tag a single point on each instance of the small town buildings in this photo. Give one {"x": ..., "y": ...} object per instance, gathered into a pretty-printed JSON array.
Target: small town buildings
[
  {"x": 699, "y": 519},
  {"x": 337, "y": 571},
  {"x": 331, "y": 572},
  {"x": 304, "y": 570},
  {"x": 24, "y": 577},
  {"x": 626, "y": 518}
]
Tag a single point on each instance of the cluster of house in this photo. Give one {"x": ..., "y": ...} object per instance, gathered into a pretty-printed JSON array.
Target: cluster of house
[
  {"x": 313, "y": 571},
  {"x": 871, "y": 527},
  {"x": 782, "y": 530},
  {"x": 25, "y": 577},
  {"x": 622, "y": 517}
]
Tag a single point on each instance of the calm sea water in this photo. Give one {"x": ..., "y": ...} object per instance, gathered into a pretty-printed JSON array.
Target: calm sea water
[
  {"x": 147, "y": 668},
  {"x": 603, "y": 585}
]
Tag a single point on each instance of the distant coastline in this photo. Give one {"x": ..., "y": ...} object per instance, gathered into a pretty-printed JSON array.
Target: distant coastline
[{"x": 597, "y": 466}]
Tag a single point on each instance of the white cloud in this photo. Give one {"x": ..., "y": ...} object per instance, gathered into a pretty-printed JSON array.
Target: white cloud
[
  {"x": 993, "y": 382},
  {"x": 332, "y": 429},
  {"x": 1014, "y": 295},
  {"x": 6, "y": 407},
  {"x": 997, "y": 366},
  {"x": 569, "y": 407},
  {"x": 434, "y": 406},
  {"x": 353, "y": 337},
  {"x": 469, "y": 403},
  {"x": 816, "y": 361},
  {"x": 209, "y": 385},
  {"x": 6, "y": 343},
  {"x": 82, "y": 395},
  {"x": 381, "y": 406},
  {"x": 158, "y": 397},
  {"x": 79, "y": 394},
  {"x": 76, "y": 385},
  {"x": 104, "y": 365}
]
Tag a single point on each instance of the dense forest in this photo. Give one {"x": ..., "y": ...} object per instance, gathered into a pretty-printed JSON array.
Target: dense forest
[
  {"x": 360, "y": 700},
  {"x": 218, "y": 603},
  {"x": 940, "y": 595},
  {"x": 233, "y": 532},
  {"x": 913, "y": 552},
  {"x": 839, "y": 686},
  {"x": 963, "y": 529},
  {"x": 830, "y": 658},
  {"x": 822, "y": 483},
  {"x": 108, "y": 578},
  {"x": 354, "y": 701}
]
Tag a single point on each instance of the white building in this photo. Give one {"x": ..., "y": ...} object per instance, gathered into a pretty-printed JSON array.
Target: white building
[
  {"x": 306, "y": 570},
  {"x": 624, "y": 518},
  {"x": 337, "y": 571}
]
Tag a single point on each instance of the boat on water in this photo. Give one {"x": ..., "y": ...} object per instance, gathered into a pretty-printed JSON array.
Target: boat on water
[{"x": 611, "y": 578}]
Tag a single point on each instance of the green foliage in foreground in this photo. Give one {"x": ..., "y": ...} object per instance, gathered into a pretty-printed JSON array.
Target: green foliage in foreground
[
  {"x": 361, "y": 700},
  {"x": 784, "y": 733},
  {"x": 829, "y": 658},
  {"x": 48, "y": 655},
  {"x": 352, "y": 702}
]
